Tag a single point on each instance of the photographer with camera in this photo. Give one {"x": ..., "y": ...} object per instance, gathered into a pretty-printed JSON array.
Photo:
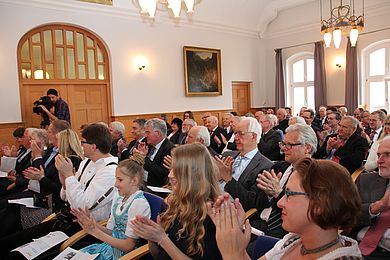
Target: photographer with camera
[{"x": 61, "y": 108}]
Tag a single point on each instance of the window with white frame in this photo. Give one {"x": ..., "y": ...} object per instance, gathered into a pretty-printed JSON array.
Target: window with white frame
[
  {"x": 376, "y": 76},
  {"x": 300, "y": 81}
]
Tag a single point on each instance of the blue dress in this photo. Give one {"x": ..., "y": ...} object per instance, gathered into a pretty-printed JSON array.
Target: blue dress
[{"x": 106, "y": 251}]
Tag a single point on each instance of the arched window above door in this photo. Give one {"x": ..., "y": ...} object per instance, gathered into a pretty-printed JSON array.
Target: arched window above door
[{"x": 61, "y": 52}]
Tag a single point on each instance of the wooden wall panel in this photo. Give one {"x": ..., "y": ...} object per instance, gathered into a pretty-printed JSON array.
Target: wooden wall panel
[{"x": 6, "y": 130}]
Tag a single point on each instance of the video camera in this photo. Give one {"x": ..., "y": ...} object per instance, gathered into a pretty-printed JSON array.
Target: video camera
[{"x": 46, "y": 102}]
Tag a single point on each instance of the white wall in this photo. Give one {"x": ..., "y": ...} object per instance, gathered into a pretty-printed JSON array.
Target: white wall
[
  {"x": 291, "y": 28},
  {"x": 160, "y": 88}
]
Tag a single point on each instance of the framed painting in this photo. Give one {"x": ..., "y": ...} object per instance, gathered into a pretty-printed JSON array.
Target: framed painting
[{"x": 202, "y": 71}]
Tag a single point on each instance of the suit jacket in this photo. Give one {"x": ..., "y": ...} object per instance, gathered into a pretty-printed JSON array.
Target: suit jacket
[
  {"x": 245, "y": 187},
  {"x": 283, "y": 125},
  {"x": 228, "y": 134},
  {"x": 176, "y": 137},
  {"x": 269, "y": 145},
  {"x": 351, "y": 154},
  {"x": 183, "y": 138},
  {"x": 217, "y": 132},
  {"x": 114, "y": 147},
  {"x": 371, "y": 188},
  {"x": 129, "y": 151},
  {"x": 157, "y": 173}
]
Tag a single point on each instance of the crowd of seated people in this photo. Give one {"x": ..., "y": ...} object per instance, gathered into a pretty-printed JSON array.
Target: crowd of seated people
[{"x": 260, "y": 161}]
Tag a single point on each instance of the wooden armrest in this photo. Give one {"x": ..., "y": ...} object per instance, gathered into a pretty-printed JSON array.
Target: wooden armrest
[
  {"x": 77, "y": 237},
  {"x": 136, "y": 253},
  {"x": 250, "y": 213},
  {"x": 356, "y": 174},
  {"x": 50, "y": 217}
]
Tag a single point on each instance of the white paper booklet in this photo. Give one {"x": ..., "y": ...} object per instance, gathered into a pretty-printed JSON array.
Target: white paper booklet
[
  {"x": 28, "y": 202},
  {"x": 70, "y": 253},
  {"x": 42, "y": 244},
  {"x": 159, "y": 189},
  {"x": 7, "y": 164}
]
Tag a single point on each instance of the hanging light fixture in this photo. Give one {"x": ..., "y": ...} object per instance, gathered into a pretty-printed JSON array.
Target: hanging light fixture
[
  {"x": 150, "y": 6},
  {"x": 342, "y": 20}
]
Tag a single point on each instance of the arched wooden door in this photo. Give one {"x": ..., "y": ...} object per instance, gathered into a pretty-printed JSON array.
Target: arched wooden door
[{"x": 70, "y": 59}]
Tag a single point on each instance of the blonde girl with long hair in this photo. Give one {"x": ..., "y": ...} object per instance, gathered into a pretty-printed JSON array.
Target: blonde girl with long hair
[{"x": 184, "y": 230}]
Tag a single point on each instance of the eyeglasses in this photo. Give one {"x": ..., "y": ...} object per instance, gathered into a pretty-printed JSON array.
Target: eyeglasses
[
  {"x": 241, "y": 134},
  {"x": 385, "y": 155},
  {"x": 287, "y": 146},
  {"x": 289, "y": 193}
]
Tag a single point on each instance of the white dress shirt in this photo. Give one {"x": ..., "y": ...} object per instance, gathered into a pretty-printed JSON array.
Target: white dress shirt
[{"x": 104, "y": 178}]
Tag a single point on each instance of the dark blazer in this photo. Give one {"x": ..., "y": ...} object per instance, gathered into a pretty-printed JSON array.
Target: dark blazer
[
  {"x": 114, "y": 147},
  {"x": 371, "y": 188},
  {"x": 283, "y": 125},
  {"x": 157, "y": 173},
  {"x": 351, "y": 154},
  {"x": 228, "y": 134},
  {"x": 245, "y": 187},
  {"x": 129, "y": 151},
  {"x": 217, "y": 132},
  {"x": 269, "y": 145},
  {"x": 183, "y": 139},
  {"x": 176, "y": 137}
]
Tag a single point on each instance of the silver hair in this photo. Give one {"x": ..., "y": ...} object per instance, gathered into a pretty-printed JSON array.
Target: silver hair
[
  {"x": 306, "y": 135},
  {"x": 352, "y": 119},
  {"x": 271, "y": 118},
  {"x": 299, "y": 119},
  {"x": 203, "y": 135},
  {"x": 253, "y": 127},
  {"x": 158, "y": 125},
  {"x": 118, "y": 127},
  {"x": 191, "y": 122}
]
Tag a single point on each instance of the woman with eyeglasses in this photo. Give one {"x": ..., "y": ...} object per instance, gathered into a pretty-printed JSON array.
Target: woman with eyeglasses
[
  {"x": 320, "y": 199},
  {"x": 372, "y": 158}
]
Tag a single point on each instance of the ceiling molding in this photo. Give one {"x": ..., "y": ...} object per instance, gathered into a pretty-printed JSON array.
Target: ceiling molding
[
  {"x": 270, "y": 12},
  {"x": 371, "y": 11},
  {"x": 131, "y": 14}
]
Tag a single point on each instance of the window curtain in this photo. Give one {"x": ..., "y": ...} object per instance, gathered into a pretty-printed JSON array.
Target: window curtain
[
  {"x": 319, "y": 75},
  {"x": 351, "y": 78},
  {"x": 279, "y": 80}
]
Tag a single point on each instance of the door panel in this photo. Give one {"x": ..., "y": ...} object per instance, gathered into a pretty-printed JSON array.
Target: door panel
[
  {"x": 87, "y": 103},
  {"x": 241, "y": 97}
]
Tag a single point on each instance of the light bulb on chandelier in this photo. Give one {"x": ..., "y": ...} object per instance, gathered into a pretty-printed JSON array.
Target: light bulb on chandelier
[
  {"x": 149, "y": 6},
  {"x": 342, "y": 20}
]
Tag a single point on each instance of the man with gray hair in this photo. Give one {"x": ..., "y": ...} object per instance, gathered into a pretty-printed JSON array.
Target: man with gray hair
[
  {"x": 299, "y": 142},
  {"x": 270, "y": 138},
  {"x": 201, "y": 135},
  {"x": 117, "y": 131},
  {"x": 158, "y": 147},
  {"x": 216, "y": 132},
  {"x": 346, "y": 147},
  {"x": 239, "y": 180},
  {"x": 186, "y": 127}
]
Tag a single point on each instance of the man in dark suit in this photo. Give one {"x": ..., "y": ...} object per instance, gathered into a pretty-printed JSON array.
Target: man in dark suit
[
  {"x": 117, "y": 131},
  {"x": 226, "y": 125},
  {"x": 159, "y": 146},
  {"x": 240, "y": 180},
  {"x": 375, "y": 195},
  {"x": 138, "y": 132},
  {"x": 188, "y": 124},
  {"x": 23, "y": 161},
  {"x": 347, "y": 147},
  {"x": 216, "y": 133},
  {"x": 270, "y": 138},
  {"x": 299, "y": 142},
  {"x": 281, "y": 114}
]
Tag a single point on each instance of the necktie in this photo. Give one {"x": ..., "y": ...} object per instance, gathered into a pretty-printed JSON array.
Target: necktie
[
  {"x": 374, "y": 234},
  {"x": 372, "y": 135},
  {"x": 275, "y": 219},
  {"x": 335, "y": 158},
  {"x": 151, "y": 152}
]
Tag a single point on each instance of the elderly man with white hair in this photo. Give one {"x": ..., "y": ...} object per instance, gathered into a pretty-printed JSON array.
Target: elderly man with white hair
[
  {"x": 117, "y": 131},
  {"x": 238, "y": 176},
  {"x": 216, "y": 132},
  {"x": 186, "y": 127},
  {"x": 270, "y": 138}
]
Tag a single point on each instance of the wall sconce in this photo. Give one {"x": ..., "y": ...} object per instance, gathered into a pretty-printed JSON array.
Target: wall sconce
[
  {"x": 140, "y": 63},
  {"x": 338, "y": 62}
]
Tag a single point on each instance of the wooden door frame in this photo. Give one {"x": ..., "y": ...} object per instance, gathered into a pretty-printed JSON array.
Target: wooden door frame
[{"x": 23, "y": 81}]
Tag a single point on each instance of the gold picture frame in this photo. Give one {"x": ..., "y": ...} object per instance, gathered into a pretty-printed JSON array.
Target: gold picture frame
[{"x": 202, "y": 71}]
